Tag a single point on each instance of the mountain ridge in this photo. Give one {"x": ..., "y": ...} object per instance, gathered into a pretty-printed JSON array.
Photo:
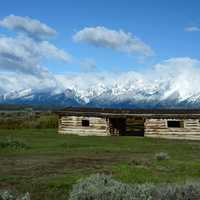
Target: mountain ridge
[{"x": 126, "y": 99}]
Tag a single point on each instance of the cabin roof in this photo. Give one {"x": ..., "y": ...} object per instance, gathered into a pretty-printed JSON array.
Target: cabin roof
[{"x": 145, "y": 113}]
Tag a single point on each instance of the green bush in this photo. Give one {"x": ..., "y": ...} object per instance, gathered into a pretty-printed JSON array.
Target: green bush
[
  {"x": 102, "y": 187},
  {"x": 8, "y": 195},
  {"x": 13, "y": 144}
]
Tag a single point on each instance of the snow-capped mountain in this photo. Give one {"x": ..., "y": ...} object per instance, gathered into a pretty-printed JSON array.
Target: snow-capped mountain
[
  {"x": 130, "y": 91},
  {"x": 167, "y": 85},
  {"x": 32, "y": 97}
]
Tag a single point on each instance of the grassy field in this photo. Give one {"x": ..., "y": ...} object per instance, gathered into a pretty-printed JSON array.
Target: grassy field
[{"x": 48, "y": 164}]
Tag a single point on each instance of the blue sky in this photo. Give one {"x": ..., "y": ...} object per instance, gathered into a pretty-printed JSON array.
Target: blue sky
[{"x": 159, "y": 24}]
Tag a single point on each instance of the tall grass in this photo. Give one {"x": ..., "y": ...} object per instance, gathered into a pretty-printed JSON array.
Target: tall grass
[{"x": 15, "y": 122}]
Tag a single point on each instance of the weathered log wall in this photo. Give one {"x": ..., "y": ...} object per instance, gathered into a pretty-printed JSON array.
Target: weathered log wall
[
  {"x": 152, "y": 127},
  {"x": 159, "y": 128},
  {"x": 73, "y": 125}
]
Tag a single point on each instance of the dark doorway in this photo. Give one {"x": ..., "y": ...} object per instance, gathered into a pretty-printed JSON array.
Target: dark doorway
[
  {"x": 135, "y": 126},
  {"x": 117, "y": 126}
]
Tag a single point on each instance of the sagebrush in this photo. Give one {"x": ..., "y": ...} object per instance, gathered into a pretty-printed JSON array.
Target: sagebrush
[
  {"x": 103, "y": 187},
  {"x": 162, "y": 156},
  {"x": 8, "y": 195}
]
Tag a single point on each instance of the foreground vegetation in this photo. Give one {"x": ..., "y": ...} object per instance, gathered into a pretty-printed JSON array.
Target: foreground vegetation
[
  {"x": 46, "y": 165},
  {"x": 103, "y": 187}
]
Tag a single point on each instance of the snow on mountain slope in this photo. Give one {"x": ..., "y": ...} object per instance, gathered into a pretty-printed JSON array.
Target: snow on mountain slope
[
  {"x": 166, "y": 85},
  {"x": 132, "y": 90}
]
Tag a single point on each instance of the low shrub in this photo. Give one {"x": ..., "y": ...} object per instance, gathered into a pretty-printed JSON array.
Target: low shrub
[
  {"x": 102, "y": 187},
  {"x": 13, "y": 144},
  {"x": 8, "y": 195},
  {"x": 188, "y": 191},
  {"x": 162, "y": 156}
]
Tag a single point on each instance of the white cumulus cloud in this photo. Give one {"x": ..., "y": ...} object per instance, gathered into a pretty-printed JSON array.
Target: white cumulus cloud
[
  {"x": 51, "y": 50},
  {"x": 27, "y": 53},
  {"x": 23, "y": 54},
  {"x": 118, "y": 40},
  {"x": 32, "y": 27}
]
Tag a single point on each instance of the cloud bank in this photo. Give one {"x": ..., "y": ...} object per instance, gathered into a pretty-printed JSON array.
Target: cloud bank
[
  {"x": 117, "y": 40},
  {"x": 183, "y": 73},
  {"x": 172, "y": 78}
]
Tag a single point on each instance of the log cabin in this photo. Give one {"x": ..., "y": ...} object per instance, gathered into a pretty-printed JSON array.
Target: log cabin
[{"x": 159, "y": 123}]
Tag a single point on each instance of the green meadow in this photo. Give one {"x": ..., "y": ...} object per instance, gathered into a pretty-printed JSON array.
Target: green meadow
[{"x": 46, "y": 164}]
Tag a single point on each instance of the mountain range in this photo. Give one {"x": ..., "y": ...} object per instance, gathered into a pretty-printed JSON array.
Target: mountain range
[{"x": 133, "y": 92}]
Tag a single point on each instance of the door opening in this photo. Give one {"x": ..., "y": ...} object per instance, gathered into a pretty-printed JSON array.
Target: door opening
[
  {"x": 117, "y": 126},
  {"x": 135, "y": 126}
]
